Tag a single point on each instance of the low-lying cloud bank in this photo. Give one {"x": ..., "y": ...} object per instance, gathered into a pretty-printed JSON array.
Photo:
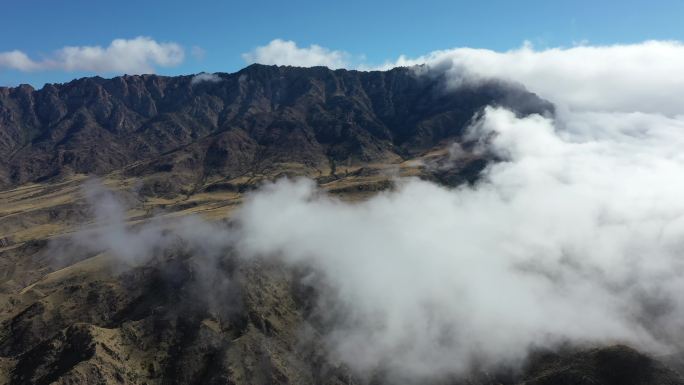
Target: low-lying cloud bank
[
  {"x": 571, "y": 238},
  {"x": 576, "y": 235},
  {"x": 134, "y": 56}
]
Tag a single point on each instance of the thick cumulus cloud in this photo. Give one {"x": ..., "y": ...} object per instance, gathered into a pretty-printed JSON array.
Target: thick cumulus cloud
[
  {"x": 286, "y": 52},
  {"x": 571, "y": 238},
  {"x": 139, "y": 55}
]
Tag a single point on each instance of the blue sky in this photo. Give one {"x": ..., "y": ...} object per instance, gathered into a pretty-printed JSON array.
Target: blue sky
[{"x": 377, "y": 31}]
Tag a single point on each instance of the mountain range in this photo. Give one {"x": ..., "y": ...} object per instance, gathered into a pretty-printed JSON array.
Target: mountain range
[{"x": 171, "y": 147}]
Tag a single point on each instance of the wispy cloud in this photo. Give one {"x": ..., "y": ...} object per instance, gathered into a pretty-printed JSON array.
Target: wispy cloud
[
  {"x": 205, "y": 77},
  {"x": 138, "y": 55},
  {"x": 18, "y": 60}
]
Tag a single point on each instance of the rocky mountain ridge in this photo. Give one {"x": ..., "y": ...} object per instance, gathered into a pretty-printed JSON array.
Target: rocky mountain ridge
[{"x": 228, "y": 124}]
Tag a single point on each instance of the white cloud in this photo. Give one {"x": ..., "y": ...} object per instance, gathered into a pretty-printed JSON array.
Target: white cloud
[
  {"x": 286, "y": 52},
  {"x": 576, "y": 236},
  {"x": 138, "y": 55},
  {"x": 644, "y": 77},
  {"x": 17, "y": 60},
  {"x": 198, "y": 53},
  {"x": 205, "y": 77}
]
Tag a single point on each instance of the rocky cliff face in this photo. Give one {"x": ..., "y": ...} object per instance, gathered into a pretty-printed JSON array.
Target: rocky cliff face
[{"x": 254, "y": 118}]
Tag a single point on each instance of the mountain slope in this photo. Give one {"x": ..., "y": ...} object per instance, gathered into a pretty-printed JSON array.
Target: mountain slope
[{"x": 172, "y": 146}]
